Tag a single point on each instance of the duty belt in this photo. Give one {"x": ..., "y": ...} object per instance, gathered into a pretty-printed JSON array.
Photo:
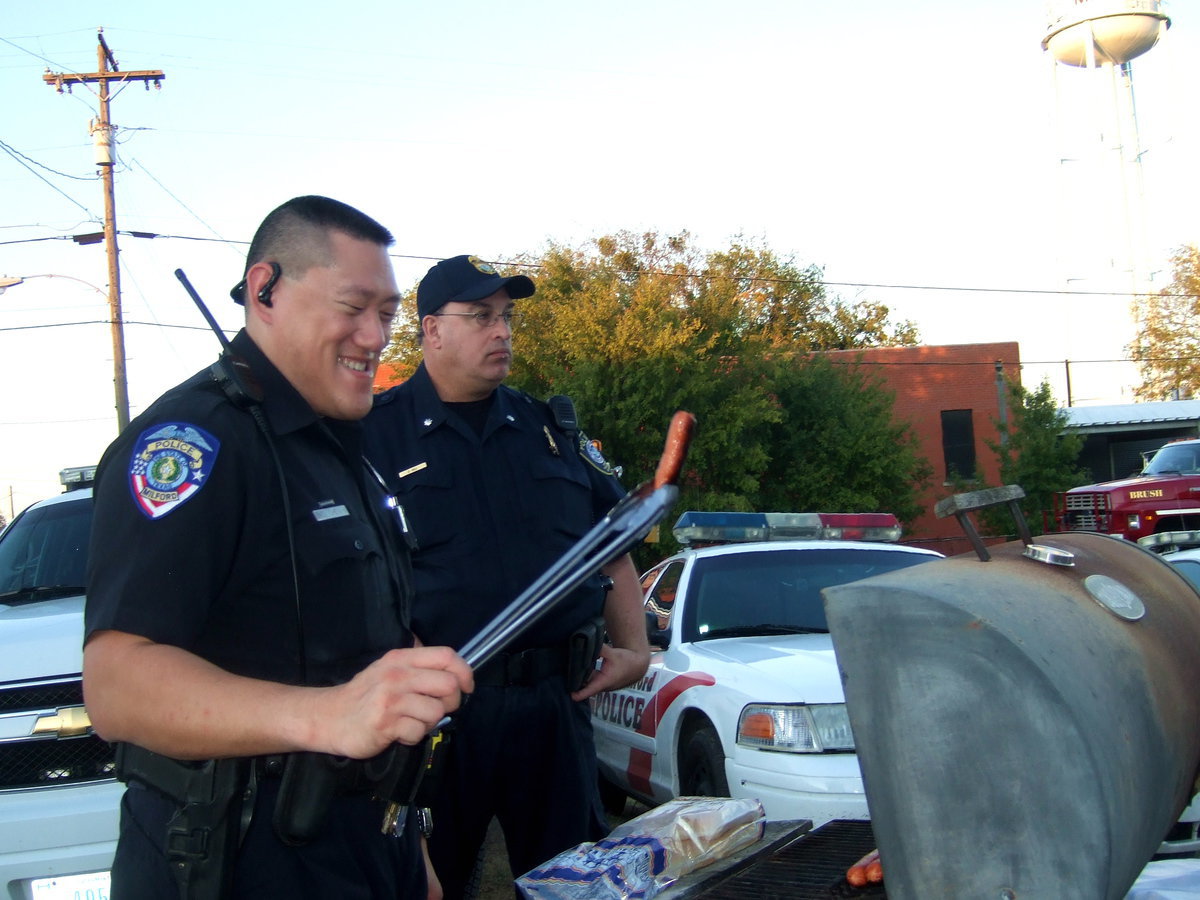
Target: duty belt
[
  {"x": 525, "y": 668},
  {"x": 354, "y": 776}
]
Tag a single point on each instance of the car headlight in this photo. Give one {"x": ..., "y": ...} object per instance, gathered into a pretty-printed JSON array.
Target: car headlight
[{"x": 795, "y": 728}]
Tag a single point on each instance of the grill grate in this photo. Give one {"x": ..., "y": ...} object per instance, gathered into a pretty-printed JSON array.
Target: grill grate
[{"x": 807, "y": 869}]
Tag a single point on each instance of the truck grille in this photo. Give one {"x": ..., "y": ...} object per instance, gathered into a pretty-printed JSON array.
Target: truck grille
[
  {"x": 1086, "y": 512},
  {"x": 50, "y": 760}
]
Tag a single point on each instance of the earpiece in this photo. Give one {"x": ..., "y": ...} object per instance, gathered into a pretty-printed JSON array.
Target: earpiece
[{"x": 264, "y": 295}]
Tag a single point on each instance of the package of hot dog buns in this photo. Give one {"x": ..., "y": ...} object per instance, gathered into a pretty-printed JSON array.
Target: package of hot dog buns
[{"x": 649, "y": 853}]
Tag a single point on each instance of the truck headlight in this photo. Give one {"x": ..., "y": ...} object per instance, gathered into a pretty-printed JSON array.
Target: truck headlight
[{"x": 795, "y": 728}]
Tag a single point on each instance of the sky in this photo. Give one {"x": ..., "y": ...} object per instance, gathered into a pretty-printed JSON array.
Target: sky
[{"x": 911, "y": 151}]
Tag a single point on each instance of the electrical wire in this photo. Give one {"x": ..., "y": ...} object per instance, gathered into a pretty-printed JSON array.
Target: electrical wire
[
  {"x": 106, "y": 322},
  {"x": 13, "y": 152},
  {"x": 190, "y": 211},
  {"x": 52, "y": 186}
]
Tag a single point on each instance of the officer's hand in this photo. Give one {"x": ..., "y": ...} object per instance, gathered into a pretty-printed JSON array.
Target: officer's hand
[
  {"x": 399, "y": 697},
  {"x": 618, "y": 667}
]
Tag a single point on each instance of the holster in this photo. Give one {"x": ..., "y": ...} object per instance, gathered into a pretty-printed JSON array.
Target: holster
[
  {"x": 311, "y": 781},
  {"x": 203, "y": 834},
  {"x": 583, "y": 649}
]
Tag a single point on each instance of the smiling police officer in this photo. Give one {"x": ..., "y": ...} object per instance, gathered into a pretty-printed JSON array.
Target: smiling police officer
[
  {"x": 497, "y": 488},
  {"x": 248, "y": 591}
]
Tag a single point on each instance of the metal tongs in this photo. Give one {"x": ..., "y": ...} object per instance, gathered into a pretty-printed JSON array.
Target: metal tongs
[{"x": 624, "y": 525}]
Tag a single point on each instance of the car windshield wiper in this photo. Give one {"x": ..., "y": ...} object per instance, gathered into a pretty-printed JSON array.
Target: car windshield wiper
[
  {"x": 36, "y": 593},
  {"x": 764, "y": 629}
]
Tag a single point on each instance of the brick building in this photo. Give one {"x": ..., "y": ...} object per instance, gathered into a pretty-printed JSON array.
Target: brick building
[{"x": 952, "y": 395}]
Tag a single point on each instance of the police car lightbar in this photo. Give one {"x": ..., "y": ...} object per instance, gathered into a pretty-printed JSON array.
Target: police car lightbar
[
  {"x": 733, "y": 527},
  {"x": 77, "y": 477},
  {"x": 1166, "y": 541},
  {"x": 626, "y": 523}
]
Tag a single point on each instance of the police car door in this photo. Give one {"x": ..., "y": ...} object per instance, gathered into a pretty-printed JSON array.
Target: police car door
[{"x": 626, "y": 737}]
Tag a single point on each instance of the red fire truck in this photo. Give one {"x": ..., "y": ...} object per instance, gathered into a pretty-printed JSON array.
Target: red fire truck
[{"x": 1163, "y": 497}]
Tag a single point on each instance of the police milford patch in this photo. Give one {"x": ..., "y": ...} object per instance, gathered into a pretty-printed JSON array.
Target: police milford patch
[
  {"x": 169, "y": 466},
  {"x": 589, "y": 451}
]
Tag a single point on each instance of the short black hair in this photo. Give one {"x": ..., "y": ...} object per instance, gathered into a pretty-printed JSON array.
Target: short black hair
[{"x": 296, "y": 233}]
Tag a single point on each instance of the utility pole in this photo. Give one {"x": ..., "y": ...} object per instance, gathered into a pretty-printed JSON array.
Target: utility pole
[{"x": 102, "y": 133}]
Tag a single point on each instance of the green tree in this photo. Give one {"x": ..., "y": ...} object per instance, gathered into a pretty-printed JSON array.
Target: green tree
[
  {"x": 1036, "y": 452},
  {"x": 1167, "y": 347},
  {"x": 836, "y": 447},
  {"x": 631, "y": 330}
]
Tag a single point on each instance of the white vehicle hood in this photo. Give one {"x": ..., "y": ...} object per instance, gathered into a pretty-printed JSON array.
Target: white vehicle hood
[
  {"x": 41, "y": 640},
  {"x": 798, "y": 668}
]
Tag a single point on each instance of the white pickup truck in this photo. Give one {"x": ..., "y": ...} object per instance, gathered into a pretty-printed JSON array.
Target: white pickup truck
[{"x": 59, "y": 802}]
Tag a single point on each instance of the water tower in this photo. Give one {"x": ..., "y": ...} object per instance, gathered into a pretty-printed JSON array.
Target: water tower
[
  {"x": 1092, "y": 33},
  {"x": 1103, "y": 236}
]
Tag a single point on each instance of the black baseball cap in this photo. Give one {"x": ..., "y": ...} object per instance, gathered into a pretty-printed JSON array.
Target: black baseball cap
[{"x": 464, "y": 279}]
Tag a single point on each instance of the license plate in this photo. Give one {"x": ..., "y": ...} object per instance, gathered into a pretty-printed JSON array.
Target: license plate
[{"x": 89, "y": 886}]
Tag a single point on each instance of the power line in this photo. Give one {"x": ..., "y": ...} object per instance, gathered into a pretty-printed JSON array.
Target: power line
[
  {"x": 104, "y": 322},
  {"x": 57, "y": 237},
  {"x": 15, "y": 153},
  {"x": 755, "y": 279},
  {"x": 191, "y": 211},
  {"x": 867, "y": 284},
  {"x": 52, "y": 186},
  {"x": 863, "y": 362}
]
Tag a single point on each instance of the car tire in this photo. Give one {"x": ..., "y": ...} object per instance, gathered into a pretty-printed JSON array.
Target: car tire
[{"x": 702, "y": 765}]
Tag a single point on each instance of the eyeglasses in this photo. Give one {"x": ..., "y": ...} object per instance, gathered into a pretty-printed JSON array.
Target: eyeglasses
[{"x": 486, "y": 318}]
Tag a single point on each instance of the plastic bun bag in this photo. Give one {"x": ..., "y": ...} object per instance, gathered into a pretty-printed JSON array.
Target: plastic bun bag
[{"x": 650, "y": 852}]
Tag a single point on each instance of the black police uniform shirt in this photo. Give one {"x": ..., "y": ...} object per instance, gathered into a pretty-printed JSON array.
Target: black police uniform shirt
[
  {"x": 489, "y": 513},
  {"x": 190, "y": 545}
]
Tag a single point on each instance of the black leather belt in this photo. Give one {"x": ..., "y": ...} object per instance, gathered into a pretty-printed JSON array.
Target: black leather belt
[
  {"x": 522, "y": 669},
  {"x": 356, "y": 776}
]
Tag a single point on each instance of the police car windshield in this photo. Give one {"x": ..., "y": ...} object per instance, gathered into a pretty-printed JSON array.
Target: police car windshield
[
  {"x": 776, "y": 591},
  {"x": 43, "y": 553}
]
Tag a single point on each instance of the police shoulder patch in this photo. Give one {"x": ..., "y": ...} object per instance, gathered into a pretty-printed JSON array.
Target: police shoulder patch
[
  {"x": 590, "y": 452},
  {"x": 169, "y": 465}
]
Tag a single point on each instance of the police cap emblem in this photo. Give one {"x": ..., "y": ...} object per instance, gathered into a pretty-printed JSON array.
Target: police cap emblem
[{"x": 484, "y": 267}]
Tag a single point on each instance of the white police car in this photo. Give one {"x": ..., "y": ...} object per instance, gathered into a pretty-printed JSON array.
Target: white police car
[
  {"x": 743, "y": 697},
  {"x": 59, "y": 798}
]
